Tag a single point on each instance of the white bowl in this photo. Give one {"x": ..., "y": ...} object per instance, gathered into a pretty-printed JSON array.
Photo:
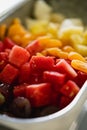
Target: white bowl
[{"x": 61, "y": 120}]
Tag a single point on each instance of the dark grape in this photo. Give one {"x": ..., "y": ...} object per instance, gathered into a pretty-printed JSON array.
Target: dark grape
[{"x": 21, "y": 107}]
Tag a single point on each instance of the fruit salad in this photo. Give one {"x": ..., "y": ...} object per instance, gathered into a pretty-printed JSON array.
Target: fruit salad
[{"x": 43, "y": 64}]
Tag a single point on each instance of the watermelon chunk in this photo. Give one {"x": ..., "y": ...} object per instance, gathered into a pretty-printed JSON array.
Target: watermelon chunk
[
  {"x": 70, "y": 89},
  {"x": 64, "y": 67},
  {"x": 39, "y": 94},
  {"x": 64, "y": 101},
  {"x": 19, "y": 90},
  {"x": 34, "y": 47},
  {"x": 24, "y": 73},
  {"x": 8, "y": 43},
  {"x": 3, "y": 59},
  {"x": 8, "y": 74},
  {"x": 41, "y": 63},
  {"x": 54, "y": 77},
  {"x": 18, "y": 56},
  {"x": 1, "y": 46}
]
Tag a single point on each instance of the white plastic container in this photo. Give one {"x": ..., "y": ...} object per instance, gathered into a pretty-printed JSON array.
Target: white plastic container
[{"x": 61, "y": 120}]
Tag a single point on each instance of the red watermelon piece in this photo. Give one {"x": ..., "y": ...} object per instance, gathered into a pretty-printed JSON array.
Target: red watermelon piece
[
  {"x": 18, "y": 56},
  {"x": 70, "y": 89},
  {"x": 65, "y": 67},
  {"x": 19, "y": 90},
  {"x": 64, "y": 101},
  {"x": 39, "y": 94},
  {"x": 3, "y": 59},
  {"x": 8, "y": 74},
  {"x": 8, "y": 43},
  {"x": 41, "y": 63},
  {"x": 34, "y": 47},
  {"x": 1, "y": 46},
  {"x": 54, "y": 77},
  {"x": 24, "y": 74}
]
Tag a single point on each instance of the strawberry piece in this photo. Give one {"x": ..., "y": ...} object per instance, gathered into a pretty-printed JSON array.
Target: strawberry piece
[
  {"x": 18, "y": 56},
  {"x": 34, "y": 47},
  {"x": 64, "y": 67},
  {"x": 39, "y": 94},
  {"x": 8, "y": 74},
  {"x": 24, "y": 73},
  {"x": 70, "y": 89},
  {"x": 41, "y": 63}
]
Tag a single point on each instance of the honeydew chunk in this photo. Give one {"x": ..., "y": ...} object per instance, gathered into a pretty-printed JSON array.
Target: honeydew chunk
[
  {"x": 42, "y": 10},
  {"x": 77, "y": 21},
  {"x": 57, "y": 17},
  {"x": 37, "y": 26}
]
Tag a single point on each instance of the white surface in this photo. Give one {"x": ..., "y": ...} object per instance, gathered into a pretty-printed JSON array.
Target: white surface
[{"x": 6, "y": 4}]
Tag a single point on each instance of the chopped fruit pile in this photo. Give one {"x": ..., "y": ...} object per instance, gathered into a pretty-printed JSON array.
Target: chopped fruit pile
[{"x": 43, "y": 67}]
